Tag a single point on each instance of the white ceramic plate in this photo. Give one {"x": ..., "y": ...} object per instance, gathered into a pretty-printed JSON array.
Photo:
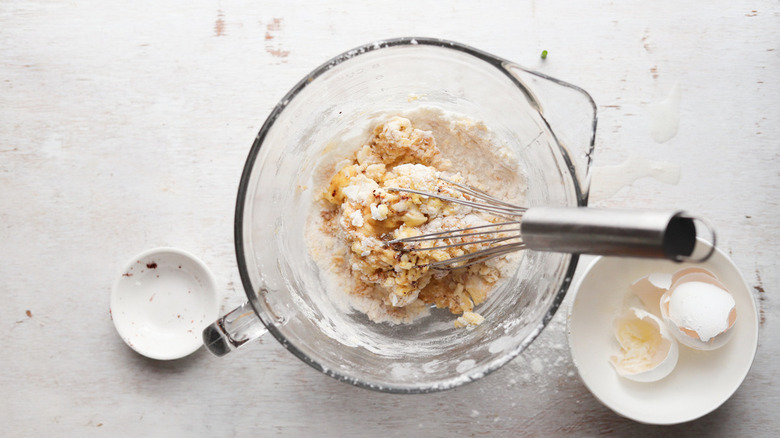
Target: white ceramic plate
[
  {"x": 162, "y": 301},
  {"x": 701, "y": 381}
]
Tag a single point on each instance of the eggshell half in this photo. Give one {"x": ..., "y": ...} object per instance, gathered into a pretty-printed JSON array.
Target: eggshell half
[
  {"x": 649, "y": 290},
  {"x": 665, "y": 356},
  {"x": 686, "y": 335},
  {"x": 691, "y": 270}
]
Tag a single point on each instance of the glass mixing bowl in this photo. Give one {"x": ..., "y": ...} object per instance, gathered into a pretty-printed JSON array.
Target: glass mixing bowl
[{"x": 549, "y": 124}]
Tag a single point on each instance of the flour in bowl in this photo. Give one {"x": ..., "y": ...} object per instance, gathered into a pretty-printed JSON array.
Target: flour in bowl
[{"x": 356, "y": 215}]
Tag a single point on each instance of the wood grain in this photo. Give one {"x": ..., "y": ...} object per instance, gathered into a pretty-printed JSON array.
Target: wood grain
[{"x": 125, "y": 125}]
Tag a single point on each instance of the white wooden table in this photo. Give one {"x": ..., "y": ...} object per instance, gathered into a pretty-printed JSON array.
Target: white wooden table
[{"x": 125, "y": 125}]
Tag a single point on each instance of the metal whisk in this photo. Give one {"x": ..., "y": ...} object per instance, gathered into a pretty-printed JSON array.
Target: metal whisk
[{"x": 654, "y": 234}]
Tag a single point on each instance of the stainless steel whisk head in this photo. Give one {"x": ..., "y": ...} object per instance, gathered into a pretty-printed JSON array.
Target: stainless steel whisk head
[
  {"x": 500, "y": 237},
  {"x": 670, "y": 234}
]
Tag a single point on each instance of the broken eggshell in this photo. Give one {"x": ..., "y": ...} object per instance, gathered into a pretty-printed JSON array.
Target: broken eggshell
[
  {"x": 649, "y": 290},
  {"x": 698, "y": 309},
  {"x": 648, "y": 351}
]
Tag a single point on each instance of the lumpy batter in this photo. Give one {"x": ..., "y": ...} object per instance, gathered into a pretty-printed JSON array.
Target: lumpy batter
[{"x": 357, "y": 215}]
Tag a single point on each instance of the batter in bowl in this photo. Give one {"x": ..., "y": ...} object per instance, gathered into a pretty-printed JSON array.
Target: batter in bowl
[{"x": 356, "y": 215}]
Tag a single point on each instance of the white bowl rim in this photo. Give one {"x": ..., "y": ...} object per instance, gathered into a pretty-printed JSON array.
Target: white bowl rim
[
  {"x": 626, "y": 409},
  {"x": 206, "y": 295}
]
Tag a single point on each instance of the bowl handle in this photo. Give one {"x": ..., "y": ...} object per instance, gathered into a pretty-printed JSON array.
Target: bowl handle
[
  {"x": 233, "y": 330},
  {"x": 570, "y": 113}
]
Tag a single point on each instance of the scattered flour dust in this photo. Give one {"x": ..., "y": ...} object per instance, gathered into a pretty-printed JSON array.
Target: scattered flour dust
[
  {"x": 355, "y": 215},
  {"x": 536, "y": 365}
]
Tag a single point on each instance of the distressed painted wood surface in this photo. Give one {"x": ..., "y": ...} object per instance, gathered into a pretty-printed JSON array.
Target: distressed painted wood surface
[{"x": 125, "y": 125}]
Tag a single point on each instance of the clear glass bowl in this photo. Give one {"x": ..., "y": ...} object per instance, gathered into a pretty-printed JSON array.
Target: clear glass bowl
[{"x": 551, "y": 126}]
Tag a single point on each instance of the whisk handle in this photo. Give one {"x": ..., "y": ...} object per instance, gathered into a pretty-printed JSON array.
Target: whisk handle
[{"x": 653, "y": 234}]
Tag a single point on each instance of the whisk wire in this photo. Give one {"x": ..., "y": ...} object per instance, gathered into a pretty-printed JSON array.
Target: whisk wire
[
  {"x": 506, "y": 235},
  {"x": 459, "y": 233},
  {"x": 508, "y": 209},
  {"x": 473, "y": 258},
  {"x": 483, "y": 195},
  {"x": 466, "y": 243}
]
